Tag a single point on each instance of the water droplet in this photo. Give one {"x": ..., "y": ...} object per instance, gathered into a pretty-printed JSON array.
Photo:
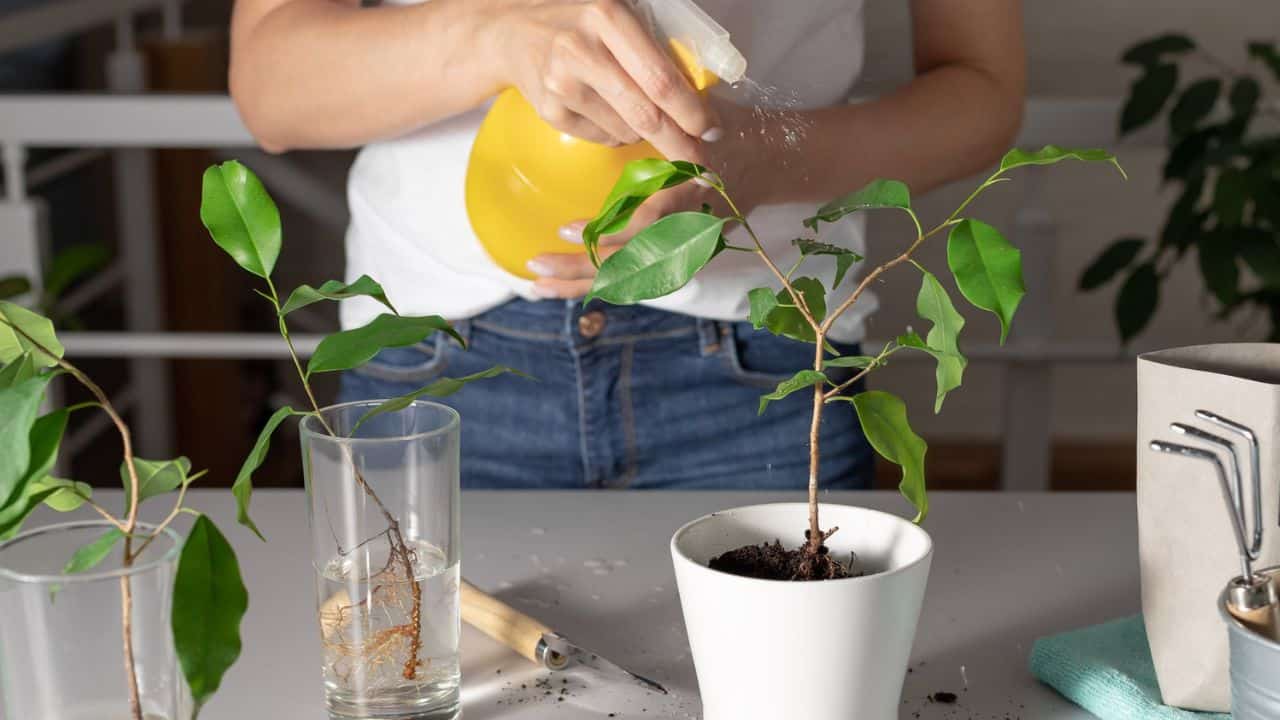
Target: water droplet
[{"x": 537, "y": 531}]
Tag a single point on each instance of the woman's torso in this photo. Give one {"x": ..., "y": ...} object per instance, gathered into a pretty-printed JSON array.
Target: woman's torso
[{"x": 409, "y": 226}]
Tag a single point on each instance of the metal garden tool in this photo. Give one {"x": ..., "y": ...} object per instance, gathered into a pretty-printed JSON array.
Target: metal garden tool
[
  {"x": 1251, "y": 597},
  {"x": 535, "y": 641}
]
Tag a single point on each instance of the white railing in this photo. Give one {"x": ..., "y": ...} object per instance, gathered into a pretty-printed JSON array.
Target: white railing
[{"x": 129, "y": 125}]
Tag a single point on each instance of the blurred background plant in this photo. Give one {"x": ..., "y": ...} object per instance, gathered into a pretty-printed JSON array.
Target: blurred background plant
[
  {"x": 66, "y": 268},
  {"x": 1228, "y": 175}
]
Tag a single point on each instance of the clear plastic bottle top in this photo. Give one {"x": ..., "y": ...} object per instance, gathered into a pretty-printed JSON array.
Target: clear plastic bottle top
[{"x": 683, "y": 22}]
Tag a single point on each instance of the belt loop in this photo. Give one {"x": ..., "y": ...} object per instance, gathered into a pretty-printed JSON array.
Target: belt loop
[
  {"x": 710, "y": 336},
  {"x": 463, "y": 328}
]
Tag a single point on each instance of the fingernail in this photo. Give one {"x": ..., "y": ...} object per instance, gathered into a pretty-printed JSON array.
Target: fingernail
[
  {"x": 572, "y": 232},
  {"x": 538, "y": 268},
  {"x": 713, "y": 135}
]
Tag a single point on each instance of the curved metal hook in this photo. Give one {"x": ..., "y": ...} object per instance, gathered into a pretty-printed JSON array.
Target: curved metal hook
[
  {"x": 1256, "y": 475},
  {"x": 1246, "y": 563}
]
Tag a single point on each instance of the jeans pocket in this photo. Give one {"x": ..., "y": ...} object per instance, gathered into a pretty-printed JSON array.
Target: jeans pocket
[
  {"x": 760, "y": 359},
  {"x": 415, "y": 364}
]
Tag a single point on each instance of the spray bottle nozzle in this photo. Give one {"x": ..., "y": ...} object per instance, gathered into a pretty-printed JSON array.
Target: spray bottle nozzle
[{"x": 691, "y": 30}]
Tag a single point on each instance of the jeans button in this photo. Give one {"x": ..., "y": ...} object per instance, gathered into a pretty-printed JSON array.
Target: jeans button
[{"x": 591, "y": 324}]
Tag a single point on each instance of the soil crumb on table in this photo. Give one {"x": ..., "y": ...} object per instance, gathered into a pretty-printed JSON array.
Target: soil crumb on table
[{"x": 774, "y": 562}]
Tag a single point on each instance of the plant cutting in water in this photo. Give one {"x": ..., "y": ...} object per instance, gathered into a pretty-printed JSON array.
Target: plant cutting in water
[
  {"x": 1228, "y": 174},
  {"x": 383, "y": 629},
  {"x": 209, "y": 597},
  {"x": 665, "y": 256}
]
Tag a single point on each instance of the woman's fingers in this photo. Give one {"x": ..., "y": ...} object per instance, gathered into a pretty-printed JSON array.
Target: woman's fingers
[
  {"x": 573, "y": 82},
  {"x": 562, "y": 266},
  {"x": 561, "y": 289}
]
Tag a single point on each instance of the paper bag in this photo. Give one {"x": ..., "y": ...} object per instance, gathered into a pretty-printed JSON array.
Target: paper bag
[{"x": 1186, "y": 546}]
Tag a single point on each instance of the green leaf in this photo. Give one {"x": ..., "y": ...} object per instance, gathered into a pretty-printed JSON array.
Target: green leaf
[
  {"x": 1195, "y": 103},
  {"x": 1230, "y": 195},
  {"x": 1151, "y": 52},
  {"x": 763, "y": 302},
  {"x": 71, "y": 264},
  {"x": 1147, "y": 96},
  {"x": 241, "y": 217},
  {"x": 884, "y": 421},
  {"x": 1184, "y": 223},
  {"x": 442, "y": 387},
  {"x": 15, "y": 512},
  {"x": 18, "y": 370},
  {"x": 1115, "y": 258},
  {"x": 845, "y": 258},
  {"x": 1188, "y": 154},
  {"x": 353, "y": 348},
  {"x": 783, "y": 317},
  {"x": 19, "y": 406},
  {"x": 1052, "y": 154},
  {"x": 639, "y": 180},
  {"x": 933, "y": 304},
  {"x": 242, "y": 488},
  {"x": 876, "y": 194},
  {"x": 209, "y": 600},
  {"x": 67, "y": 495},
  {"x": 155, "y": 477},
  {"x": 1136, "y": 303},
  {"x": 44, "y": 438},
  {"x": 1265, "y": 52},
  {"x": 988, "y": 270},
  {"x": 1261, "y": 253},
  {"x": 37, "y": 327},
  {"x": 859, "y": 362},
  {"x": 1244, "y": 96},
  {"x": 88, "y": 556},
  {"x": 799, "y": 381},
  {"x": 306, "y": 295},
  {"x": 659, "y": 260},
  {"x": 1219, "y": 268},
  {"x": 14, "y": 285}
]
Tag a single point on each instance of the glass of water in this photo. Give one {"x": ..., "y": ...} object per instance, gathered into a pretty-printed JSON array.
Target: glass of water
[{"x": 383, "y": 492}]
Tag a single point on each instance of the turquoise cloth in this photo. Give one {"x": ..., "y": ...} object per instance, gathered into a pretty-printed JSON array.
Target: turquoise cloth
[{"x": 1107, "y": 670}]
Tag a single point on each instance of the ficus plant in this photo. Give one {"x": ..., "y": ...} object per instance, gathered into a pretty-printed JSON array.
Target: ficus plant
[
  {"x": 1226, "y": 168},
  {"x": 209, "y": 597},
  {"x": 244, "y": 221},
  {"x": 987, "y": 269}
]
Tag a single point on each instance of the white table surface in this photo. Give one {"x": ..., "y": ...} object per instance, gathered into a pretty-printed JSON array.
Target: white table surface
[{"x": 1007, "y": 569}]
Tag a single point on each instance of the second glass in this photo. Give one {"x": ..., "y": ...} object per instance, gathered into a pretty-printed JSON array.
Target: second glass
[{"x": 383, "y": 494}]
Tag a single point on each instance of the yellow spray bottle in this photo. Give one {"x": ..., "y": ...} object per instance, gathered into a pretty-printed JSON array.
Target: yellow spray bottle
[{"x": 525, "y": 179}]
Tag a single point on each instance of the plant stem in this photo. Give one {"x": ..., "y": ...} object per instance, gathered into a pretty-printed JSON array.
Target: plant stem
[
  {"x": 126, "y": 625},
  {"x": 395, "y": 539},
  {"x": 815, "y": 533}
]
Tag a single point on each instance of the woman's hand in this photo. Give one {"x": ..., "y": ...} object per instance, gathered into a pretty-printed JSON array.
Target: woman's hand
[
  {"x": 592, "y": 70},
  {"x": 743, "y": 158}
]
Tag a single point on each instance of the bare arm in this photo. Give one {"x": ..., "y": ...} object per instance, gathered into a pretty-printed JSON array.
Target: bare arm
[{"x": 328, "y": 73}]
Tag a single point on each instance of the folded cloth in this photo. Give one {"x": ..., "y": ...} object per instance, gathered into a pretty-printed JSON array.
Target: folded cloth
[{"x": 1107, "y": 670}]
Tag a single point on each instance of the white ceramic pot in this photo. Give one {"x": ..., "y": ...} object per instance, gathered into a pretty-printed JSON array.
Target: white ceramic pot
[{"x": 828, "y": 650}]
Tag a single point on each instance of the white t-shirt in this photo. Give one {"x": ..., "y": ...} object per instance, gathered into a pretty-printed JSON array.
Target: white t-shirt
[{"x": 409, "y": 227}]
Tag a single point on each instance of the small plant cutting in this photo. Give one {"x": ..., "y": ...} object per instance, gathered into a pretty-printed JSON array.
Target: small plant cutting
[
  {"x": 374, "y": 643},
  {"x": 209, "y": 597},
  {"x": 1224, "y": 159},
  {"x": 665, "y": 256}
]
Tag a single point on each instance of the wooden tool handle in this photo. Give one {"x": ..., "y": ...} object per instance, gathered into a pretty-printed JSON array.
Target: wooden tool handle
[
  {"x": 1262, "y": 621},
  {"x": 502, "y": 622}
]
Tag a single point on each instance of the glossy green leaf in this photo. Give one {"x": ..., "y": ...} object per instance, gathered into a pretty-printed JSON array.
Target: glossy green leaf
[
  {"x": 1219, "y": 268},
  {"x": 242, "y": 488},
  {"x": 209, "y": 600},
  {"x": 640, "y": 179},
  {"x": 19, "y": 406},
  {"x": 876, "y": 194},
  {"x": 1194, "y": 105},
  {"x": 934, "y": 304},
  {"x": 1136, "y": 303},
  {"x": 15, "y": 512},
  {"x": 784, "y": 317},
  {"x": 88, "y": 556},
  {"x": 72, "y": 264},
  {"x": 1052, "y": 154},
  {"x": 43, "y": 440},
  {"x": 241, "y": 217},
  {"x": 18, "y": 370},
  {"x": 364, "y": 286},
  {"x": 859, "y": 362},
  {"x": 1230, "y": 195},
  {"x": 1150, "y": 52},
  {"x": 67, "y": 495},
  {"x": 12, "y": 286},
  {"x": 987, "y": 269},
  {"x": 659, "y": 260},
  {"x": 763, "y": 302},
  {"x": 884, "y": 421},
  {"x": 1245, "y": 92},
  {"x": 845, "y": 258},
  {"x": 799, "y": 381},
  {"x": 1118, "y": 256},
  {"x": 443, "y": 387},
  {"x": 155, "y": 477},
  {"x": 352, "y": 348},
  {"x": 36, "y": 328},
  {"x": 1147, "y": 96}
]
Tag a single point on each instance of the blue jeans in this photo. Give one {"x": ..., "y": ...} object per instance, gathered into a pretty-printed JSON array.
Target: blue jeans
[{"x": 625, "y": 397}]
